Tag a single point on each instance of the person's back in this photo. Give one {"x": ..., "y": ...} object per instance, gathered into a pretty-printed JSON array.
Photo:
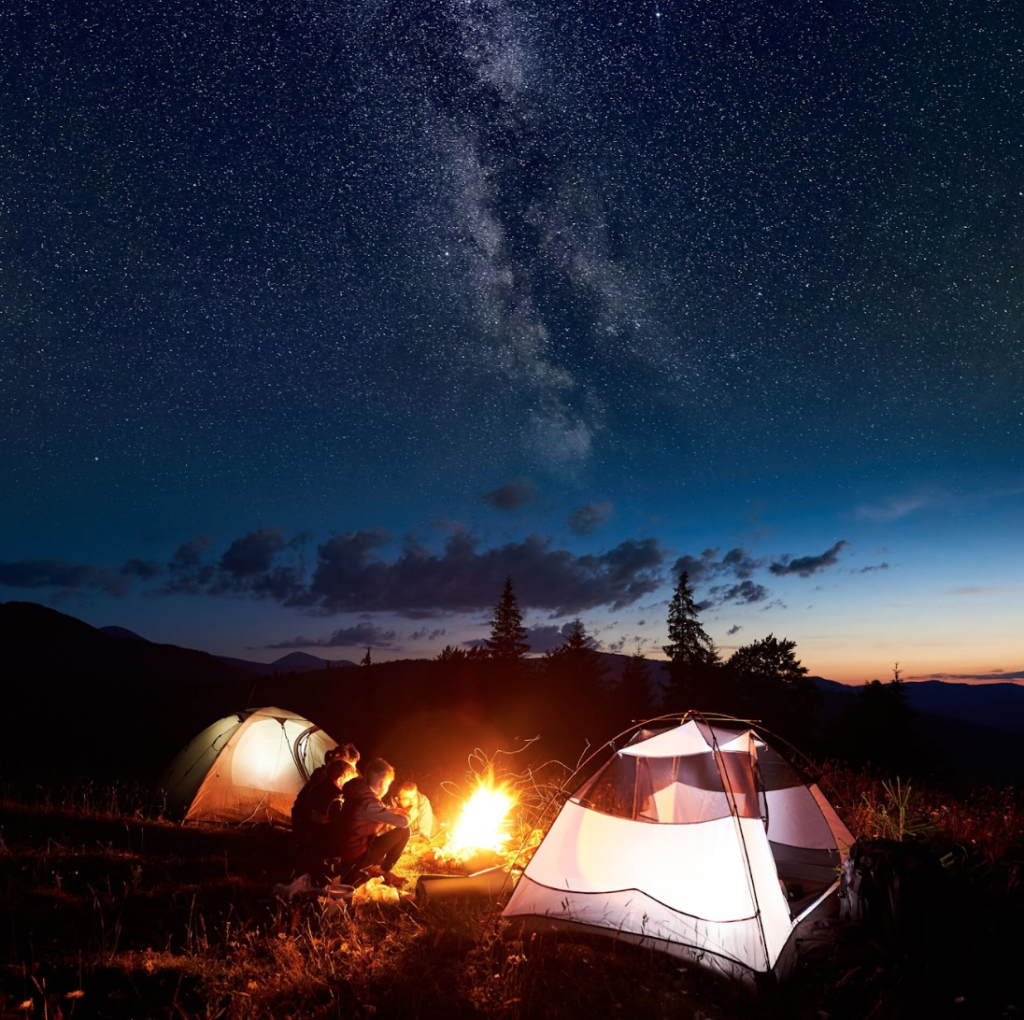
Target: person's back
[
  {"x": 356, "y": 829},
  {"x": 315, "y": 808},
  {"x": 363, "y": 843}
]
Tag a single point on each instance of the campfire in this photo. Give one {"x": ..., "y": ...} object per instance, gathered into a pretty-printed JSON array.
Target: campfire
[
  {"x": 480, "y": 835},
  {"x": 483, "y": 824}
]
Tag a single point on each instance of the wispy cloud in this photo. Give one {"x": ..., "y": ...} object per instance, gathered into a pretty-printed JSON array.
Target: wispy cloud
[
  {"x": 997, "y": 674},
  {"x": 977, "y": 591},
  {"x": 511, "y": 496},
  {"x": 736, "y": 563},
  {"x": 901, "y": 505},
  {"x": 70, "y": 577},
  {"x": 589, "y": 518},
  {"x": 805, "y": 566},
  {"x": 364, "y": 634}
]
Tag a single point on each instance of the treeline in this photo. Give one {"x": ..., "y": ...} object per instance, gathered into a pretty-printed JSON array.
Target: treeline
[{"x": 567, "y": 698}]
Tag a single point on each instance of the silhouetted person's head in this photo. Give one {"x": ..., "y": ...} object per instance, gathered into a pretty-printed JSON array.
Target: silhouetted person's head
[
  {"x": 340, "y": 771},
  {"x": 379, "y": 774}
]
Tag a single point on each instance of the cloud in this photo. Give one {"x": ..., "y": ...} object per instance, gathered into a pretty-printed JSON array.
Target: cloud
[
  {"x": 145, "y": 570},
  {"x": 247, "y": 567},
  {"x": 72, "y": 577},
  {"x": 188, "y": 556},
  {"x": 351, "y": 576},
  {"x": 734, "y": 629},
  {"x": 548, "y": 637},
  {"x": 744, "y": 593},
  {"x": 973, "y": 590},
  {"x": 423, "y": 634},
  {"x": 189, "y": 574},
  {"x": 589, "y": 518},
  {"x": 895, "y": 508},
  {"x": 736, "y": 563},
  {"x": 996, "y": 674},
  {"x": 877, "y": 566},
  {"x": 510, "y": 496},
  {"x": 363, "y": 635},
  {"x": 545, "y": 638},
  {"x": 741, "y": 563},
  {"x": 253, "y": 553},
  {"x": 805, "y": 566},
  {"x": 48, "y": 574},
  {"x": 698, "y": 569}
]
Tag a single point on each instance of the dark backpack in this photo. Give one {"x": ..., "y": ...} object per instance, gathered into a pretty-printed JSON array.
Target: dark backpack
[{"x": 890, "y": 888}]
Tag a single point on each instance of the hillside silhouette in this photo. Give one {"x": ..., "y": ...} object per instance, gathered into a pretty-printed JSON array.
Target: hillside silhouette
[{"x": 89, "y": 703}]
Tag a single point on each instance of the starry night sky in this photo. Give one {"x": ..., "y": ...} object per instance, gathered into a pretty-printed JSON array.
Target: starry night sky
[{"x": 319, "y": 319}]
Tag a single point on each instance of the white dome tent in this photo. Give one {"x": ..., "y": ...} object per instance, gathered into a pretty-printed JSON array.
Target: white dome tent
[
  {"x": 698, "y": 839},
  {"x": 247, "y": 767}
]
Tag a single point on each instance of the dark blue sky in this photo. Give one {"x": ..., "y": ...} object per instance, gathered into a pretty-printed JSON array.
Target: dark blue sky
[{"x": 320, "y": 319}]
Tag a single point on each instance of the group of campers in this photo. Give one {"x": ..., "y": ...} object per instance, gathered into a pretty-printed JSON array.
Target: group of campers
[{"x": 340, "y": 816}]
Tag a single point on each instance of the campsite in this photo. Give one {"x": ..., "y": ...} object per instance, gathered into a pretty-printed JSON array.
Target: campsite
[{"x": 117, "y": 907}]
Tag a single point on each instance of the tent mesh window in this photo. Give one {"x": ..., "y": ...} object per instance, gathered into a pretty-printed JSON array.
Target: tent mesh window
[{"x": 676, "y": 790}]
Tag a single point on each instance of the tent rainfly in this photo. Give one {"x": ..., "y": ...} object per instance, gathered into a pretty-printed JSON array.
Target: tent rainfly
[
  {"x": 700, "y": 840},
  {"x": 247, "y": 767}
]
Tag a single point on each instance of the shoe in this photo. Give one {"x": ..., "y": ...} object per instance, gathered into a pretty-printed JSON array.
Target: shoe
[{"x": 396, "y": 881}]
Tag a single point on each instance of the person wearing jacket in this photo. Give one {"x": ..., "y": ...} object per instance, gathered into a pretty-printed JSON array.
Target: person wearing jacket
[
  {"x": 315, "y": 813},
  {"x": 366, "y": 846}
]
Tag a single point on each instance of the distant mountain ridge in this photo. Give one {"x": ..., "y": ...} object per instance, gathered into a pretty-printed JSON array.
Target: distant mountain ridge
[
  {"x": 293, "y": 662},
  {"x": 995, "y": 706},
  {"x": 109, "y": 701}
]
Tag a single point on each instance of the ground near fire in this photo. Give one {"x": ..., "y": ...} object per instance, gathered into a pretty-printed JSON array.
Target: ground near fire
[{"x": 114, "y": 911}]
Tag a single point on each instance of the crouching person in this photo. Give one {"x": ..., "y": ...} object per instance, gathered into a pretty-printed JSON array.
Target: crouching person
[
  {"x": 366, "y": 846},
  {"x": 315, "y": 813}
]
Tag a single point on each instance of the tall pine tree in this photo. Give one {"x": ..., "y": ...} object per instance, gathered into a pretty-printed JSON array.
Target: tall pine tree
[
  {"x": 693, "y": 658},
  {"x": 507, "y": 642}
]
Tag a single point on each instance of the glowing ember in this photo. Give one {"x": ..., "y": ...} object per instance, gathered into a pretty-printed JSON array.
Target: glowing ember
[{"x": 482, "y": 820}]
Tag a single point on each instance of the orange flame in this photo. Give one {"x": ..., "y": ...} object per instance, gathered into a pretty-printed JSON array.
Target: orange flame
[{"x": 482, "y": 823}]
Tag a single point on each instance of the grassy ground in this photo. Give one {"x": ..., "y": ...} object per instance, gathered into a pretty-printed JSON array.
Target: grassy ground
[{"x": 109, "y": 911}]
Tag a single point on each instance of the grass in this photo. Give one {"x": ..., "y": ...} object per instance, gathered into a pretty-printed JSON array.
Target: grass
[{"x": 111, "y": 911}]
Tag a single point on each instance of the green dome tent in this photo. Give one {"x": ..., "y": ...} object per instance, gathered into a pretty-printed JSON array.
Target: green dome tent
[{"x": 247, "y": 767}]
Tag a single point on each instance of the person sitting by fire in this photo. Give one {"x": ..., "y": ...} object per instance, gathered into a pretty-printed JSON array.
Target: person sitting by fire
[
  {"x": 367, "y": 845},
  {"x": 421, "y": 815},
  {"x": 316, "y": 811}
]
